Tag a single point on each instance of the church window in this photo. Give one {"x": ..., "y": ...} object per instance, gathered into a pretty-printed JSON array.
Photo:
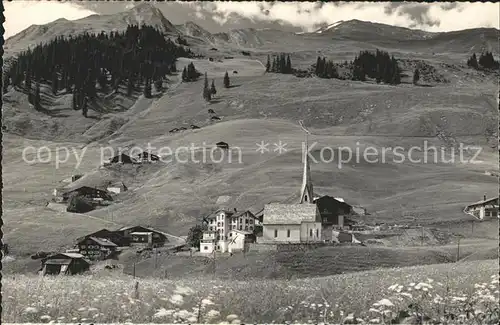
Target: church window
[
  {"x": 275, "y": 233},
  {"x": 310, "y": 232},
  {"x": 288, "y": 233}
]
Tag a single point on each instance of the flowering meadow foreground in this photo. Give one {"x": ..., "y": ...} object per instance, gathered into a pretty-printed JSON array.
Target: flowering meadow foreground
[{"x": 461, "y": 293}]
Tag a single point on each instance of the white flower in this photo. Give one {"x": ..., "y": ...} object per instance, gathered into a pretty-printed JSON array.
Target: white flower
[
  {"x": 93, "y": 309},
  {"x": 177, "y": 299},
  {"x": 183, "y": 314},
  {"x": 162, "y": 312},
  {"x": 206, "y": 302},
  {"x": 183, "y": 290},
  {"x": 236, "y": 321},
  {"x": 385, "y": 302},
  {"x": 82, "y": 309},
  {"x": 406, "y": 294},
  {"x": 393, "y": 287},
  {"x": 213, "y": 314},
  {"x": 459, "y": 298},
  {"x": 46, "y": 318},
  {"x": 192, "y": 319},
  {"x": 31, "y": 310},
  {"x": 375, "y": 320},
  {"x": 349, "y": 317},
  {"x": 374, "y": 310},
  {"x": 231, "y": 317},
  {"x": 412, "y": 284}
]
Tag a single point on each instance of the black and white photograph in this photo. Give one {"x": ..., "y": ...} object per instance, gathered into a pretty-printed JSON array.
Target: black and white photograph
[{"x": 250, "y": 162}]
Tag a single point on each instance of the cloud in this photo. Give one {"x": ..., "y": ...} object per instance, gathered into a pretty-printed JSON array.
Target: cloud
[
  {"x": 435, "y": 17},
  {"x": 19, "y": 15}
]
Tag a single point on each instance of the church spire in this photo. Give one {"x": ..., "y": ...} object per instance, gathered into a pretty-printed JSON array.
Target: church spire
[{"x": 306, "y": 192}]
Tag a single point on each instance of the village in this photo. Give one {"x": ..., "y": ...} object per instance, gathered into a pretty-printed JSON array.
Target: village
[{"x": 306, "y": 222}]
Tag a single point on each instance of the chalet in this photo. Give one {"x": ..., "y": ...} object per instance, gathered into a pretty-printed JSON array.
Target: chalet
[
  {"x": 484, "y": 209},
  {"x": 222, "y": 145},
  {"x": 332, "y": 212},
  {"x": 243, "y": 221},
  {"x": 112, "y": 236},
  {"x": 219, "y": 222},
  {"x": 121, "y": 159},
  {"x": 139, "y": 235},
  {"x": 64, "y": 264},
  {"x": 94, "y": 248},
  {"x": 91, "y": 193},
  {"x": 148, "y": 157},
  {"x": 117, "y": 187}
]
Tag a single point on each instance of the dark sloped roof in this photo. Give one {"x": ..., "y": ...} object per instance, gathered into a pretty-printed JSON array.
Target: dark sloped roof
[
  {"x": 103, "y": 242},
  {"x": 277, "y": 213}
]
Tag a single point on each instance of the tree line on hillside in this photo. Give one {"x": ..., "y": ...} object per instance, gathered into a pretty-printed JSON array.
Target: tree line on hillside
[
  {"x": 280, "y": 64},
  {"x": 379, "y": 66},
  {"x": 325, "y": 68},
  {"x": 87, "y": 63},
  {"x": 486, "y": 61}
]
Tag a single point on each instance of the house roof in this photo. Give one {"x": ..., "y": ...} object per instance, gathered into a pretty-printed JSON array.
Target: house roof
[
  {"x": 141, "y": 233},
  {"x": 58, "y": 261},
  {"x": 103, "y": 241},
  {"x": 487, "y": 201},
  {"x": 213, "y": 214},
  {"x": 147, "y": 228},
  {"x": 240, "y": 213},
  {"x": 116, "y": 184},
  {"x": 277, "y": 213}
]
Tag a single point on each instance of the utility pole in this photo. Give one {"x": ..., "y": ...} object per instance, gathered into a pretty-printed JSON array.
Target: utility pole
[
  {"x": 134, "y": 270},
  {"x": 458, "y": 250}
]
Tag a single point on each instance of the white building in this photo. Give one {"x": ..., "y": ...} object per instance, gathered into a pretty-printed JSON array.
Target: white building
[
  {"x": 486, "y": 208},
  {"x": 223, "y": 225}
]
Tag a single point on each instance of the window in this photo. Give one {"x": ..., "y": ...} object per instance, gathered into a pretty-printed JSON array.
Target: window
[
  {"x": 310, "y": 232},
  {"x": 288, "y": 232},
  {"x": 82, "y": 246},
  {"x": 218, "y": 247},
  {"x": 240, "y": 227},
  {"x": 251, "y": 228},
  {"x": 317, "y": 233},
  {"x": 234, "y": 226},
  {"x": 211, "y": 221},
  {"x": 210, "y": 228},
  {"x": 218, "y": 224},
  {"x": 275, "y": 233},
  {"x": 230, "y": 234},
  {"x": 241, "y": 220},
  {"x": 205, "y": 248},
  {"x": 246, "y": 227},
  {"x": 251, "y": 221},
  {"x": 246, "y": 220}
]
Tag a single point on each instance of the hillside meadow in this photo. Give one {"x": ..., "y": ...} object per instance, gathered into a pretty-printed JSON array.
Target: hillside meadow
[{"x": 464, "y": 293}]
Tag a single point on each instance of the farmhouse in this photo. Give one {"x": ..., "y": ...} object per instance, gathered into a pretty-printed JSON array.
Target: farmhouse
[
  {"x": 109, "y": 235},
  {"x": 122, "y": 159},
  {"x": 64, "y": 263},
  {"x": 94, "y": 248},
  {"x": 148, "y": 157},
  {"x": 117, "y": 187},
  {"x": 486, "y": 208},
  {"x": 332, "y": 212},
  {"x": 91, "y": 193},
  {"x": 143, "y": 236}
]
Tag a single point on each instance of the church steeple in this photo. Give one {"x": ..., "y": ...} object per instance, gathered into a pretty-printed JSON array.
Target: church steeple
[{"x": 306, "y": 192}]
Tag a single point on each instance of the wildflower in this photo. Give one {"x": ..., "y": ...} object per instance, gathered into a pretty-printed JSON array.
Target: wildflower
[
  {"x": 375, "y": 320},
  {"x": 385, "y": 302},
  {"x": 231, "y": 317},
  {"x": 162, "y": 312},
  {"x": 213, "y": 313},
  {"x": 46, "y": 318},
  {"x": 177, "y": 299},
  {"x": 93, "y": 309},
  {"x": 412, "y": 284},
  {"x": 393, "y": 287},
  {"x": 192, "y": 319},
  {"x": 236, "y": 321},
  {"x": 459, "y": 298},
  {"x": 82, "y": 309},
  {"x": 349, "y": 317},
  {"x": 183, "y": 314},
  {"x": 183, "y": 290},
  {"x": 206, "y": 302},
  {"x": 406, "y": 294},
  {"x": 31, "y": 310},
  {"x": 374, "y": 310}
]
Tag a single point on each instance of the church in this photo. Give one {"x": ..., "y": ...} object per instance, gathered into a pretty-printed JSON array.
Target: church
[{"x": 310, "y": 219}]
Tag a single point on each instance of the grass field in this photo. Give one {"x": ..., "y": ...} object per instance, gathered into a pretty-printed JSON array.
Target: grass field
[{"x": 318, "y": 300}]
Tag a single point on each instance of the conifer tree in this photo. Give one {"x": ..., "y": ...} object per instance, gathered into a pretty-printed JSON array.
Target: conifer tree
[
  {"x": 226, "y": 80},
  {"x": 206, "y": 90},
  {"x": 184, "y": 74},
  {"x": 213, "y": 91},
  {"x": 55, "y": 83},
  {"x": 84, "y": 106},
  {"x": 5, "y": 83},
  {"x": 274, "y": 67},
  {"x": 288, "y": 64},
  {"x": 416, "y": 76},
  {"x": 158, "y": 85},
  {"x": 36, "y": 99},
  {"x": 268, "y": 64},
  {"x": 147, "y": 88},
  {"x": 318, "y": 66}
]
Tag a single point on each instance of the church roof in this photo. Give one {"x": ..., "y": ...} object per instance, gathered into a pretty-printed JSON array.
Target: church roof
[{"x": 277, "y": 213}]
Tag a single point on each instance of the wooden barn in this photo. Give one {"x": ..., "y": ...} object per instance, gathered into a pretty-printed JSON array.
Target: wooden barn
[
  {"x": 94, "y": 194},
  {"x": 94, "y": 248},
  {"x": 109, "y": 235},
  {"x": 148, "y": 157},
  {"x": 484, "y": 209},
  {"x": 139, "y": 235},
  {"x": 64, "y": 264}
]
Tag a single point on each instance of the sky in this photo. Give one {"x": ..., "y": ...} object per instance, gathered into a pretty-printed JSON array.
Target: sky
[{"x": 306, "y": 16}]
